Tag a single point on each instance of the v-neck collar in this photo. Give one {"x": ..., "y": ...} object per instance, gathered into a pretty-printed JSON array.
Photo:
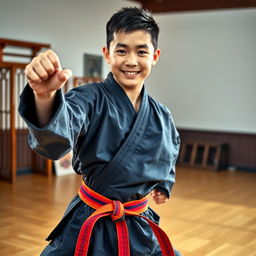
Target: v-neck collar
[{"x": 120, "y": 96}]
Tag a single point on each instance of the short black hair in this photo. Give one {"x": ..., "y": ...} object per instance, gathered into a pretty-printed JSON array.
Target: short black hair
[{"x": 129, "y": 19}]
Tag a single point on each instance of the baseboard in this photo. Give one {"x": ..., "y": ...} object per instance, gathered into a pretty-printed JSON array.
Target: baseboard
[{"x": 241, "y": 146}]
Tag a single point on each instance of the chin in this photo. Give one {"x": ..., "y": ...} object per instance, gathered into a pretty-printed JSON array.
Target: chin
[{"x": 130, "y": 84}]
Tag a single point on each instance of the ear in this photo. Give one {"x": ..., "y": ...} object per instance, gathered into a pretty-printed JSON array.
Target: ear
[
  {"x": 106, "y": 54},
  {"x": 156, "y": 56}
]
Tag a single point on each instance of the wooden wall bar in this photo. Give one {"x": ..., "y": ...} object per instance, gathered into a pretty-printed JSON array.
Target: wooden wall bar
[
  {"x": 160, "y": 6},
  {"x": 14, "y": 151},
  {"x": 241, "y": 146},
  {"x": 24, "y": 153}
]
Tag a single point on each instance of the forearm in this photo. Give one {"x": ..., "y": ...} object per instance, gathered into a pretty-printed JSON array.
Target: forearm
[
  {"x": 44, "y": 104},
  {"x": 55, "y": 139}
]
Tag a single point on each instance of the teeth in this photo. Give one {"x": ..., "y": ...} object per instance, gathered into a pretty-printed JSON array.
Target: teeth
[{"x": 131, "y": 73}]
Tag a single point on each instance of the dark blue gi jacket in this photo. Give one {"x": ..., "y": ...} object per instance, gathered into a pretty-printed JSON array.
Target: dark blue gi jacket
[{"x": 120, "y": 154}]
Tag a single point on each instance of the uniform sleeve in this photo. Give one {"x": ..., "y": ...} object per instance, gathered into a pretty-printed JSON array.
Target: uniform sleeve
[
  {"x": 166, "y": 186},
  {"x": 70, "y": 119}
]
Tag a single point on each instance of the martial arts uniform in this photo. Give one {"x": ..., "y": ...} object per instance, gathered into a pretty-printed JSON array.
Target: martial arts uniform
[{"x": 120, "y": 154}]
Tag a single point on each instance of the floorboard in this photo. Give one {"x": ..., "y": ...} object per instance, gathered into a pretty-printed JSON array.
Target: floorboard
[{"x": 209, "y": 213}]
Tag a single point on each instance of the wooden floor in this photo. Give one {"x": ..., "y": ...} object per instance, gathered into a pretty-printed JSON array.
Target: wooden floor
[{"x": 210, "y": 213}]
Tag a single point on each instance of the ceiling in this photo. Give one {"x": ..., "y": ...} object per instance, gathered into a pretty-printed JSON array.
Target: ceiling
[{"x": 160, "y": 6}]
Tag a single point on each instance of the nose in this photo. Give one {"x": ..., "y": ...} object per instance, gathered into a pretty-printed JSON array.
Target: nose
[{"x": 131, "y": 60}]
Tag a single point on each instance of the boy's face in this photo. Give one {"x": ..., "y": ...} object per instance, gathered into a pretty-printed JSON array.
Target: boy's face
[{"x": 131, "y": 56}]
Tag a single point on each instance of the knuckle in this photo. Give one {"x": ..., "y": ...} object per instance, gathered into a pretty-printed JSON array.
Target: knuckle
[
  {"x": 53, "y": 57},
  {"x": 27, "y": 71},
  {"x": 40, "y": 57},
  {"x": 49, "y": 51},
  {"x": 43, "y": 56},
  {"x": 36, "y": 64},
  {"x": 50, "y": 54},
  {"x": 34, "y": 59}
]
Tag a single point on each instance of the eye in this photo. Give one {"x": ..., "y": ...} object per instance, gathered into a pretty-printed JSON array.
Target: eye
[
  {"x": 141, "y": 52},
  {"x": 121, "y": 52}
]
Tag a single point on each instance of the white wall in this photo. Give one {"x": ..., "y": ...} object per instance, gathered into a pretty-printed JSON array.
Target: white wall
[
  {"x": 207, "y": 70},
  {"x": 206, "y": 73}
]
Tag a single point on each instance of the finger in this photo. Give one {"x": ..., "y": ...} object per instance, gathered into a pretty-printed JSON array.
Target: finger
[
  {"x": 47, "y": 64},
  {"x": 31, "y": 75},
  {"x": 64, "y": 75},
  {"x": 53, "y": 57},
  {"x": 39, "y": 69},
  {"x": 162, "y": 196},
  {"x": 160, "y": 201}
]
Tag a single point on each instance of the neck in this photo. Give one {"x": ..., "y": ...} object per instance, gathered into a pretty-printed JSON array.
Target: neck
[
  {"x": 133, "y": 93},
  {"x": 135, "y": 97}
]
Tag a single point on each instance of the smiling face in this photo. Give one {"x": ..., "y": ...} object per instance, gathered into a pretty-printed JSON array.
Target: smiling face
[{"x": 131, "y": 56}]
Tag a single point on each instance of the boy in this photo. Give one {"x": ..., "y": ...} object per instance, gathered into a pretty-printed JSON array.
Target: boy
[{"x": 124, "y": 143}]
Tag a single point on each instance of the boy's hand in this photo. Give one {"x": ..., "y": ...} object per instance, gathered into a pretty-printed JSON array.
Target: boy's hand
[
  {"x": 158, "y": 196},
  {"x": 45, "y": 74}
]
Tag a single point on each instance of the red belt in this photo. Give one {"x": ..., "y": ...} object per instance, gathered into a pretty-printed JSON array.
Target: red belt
[{"x": 106, "y": 207}]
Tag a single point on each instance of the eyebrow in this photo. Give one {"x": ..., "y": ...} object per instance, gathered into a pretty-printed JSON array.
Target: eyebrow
[{"x": 145, "y": 46}]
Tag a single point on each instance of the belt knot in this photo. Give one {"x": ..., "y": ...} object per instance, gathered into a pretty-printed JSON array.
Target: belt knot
[
  {"x": 105, "y": 207},
  {"x": 118, "y": 211}
]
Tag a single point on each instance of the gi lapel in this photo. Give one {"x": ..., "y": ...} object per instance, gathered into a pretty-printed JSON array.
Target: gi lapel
[{"x": 134, "y": 137}]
